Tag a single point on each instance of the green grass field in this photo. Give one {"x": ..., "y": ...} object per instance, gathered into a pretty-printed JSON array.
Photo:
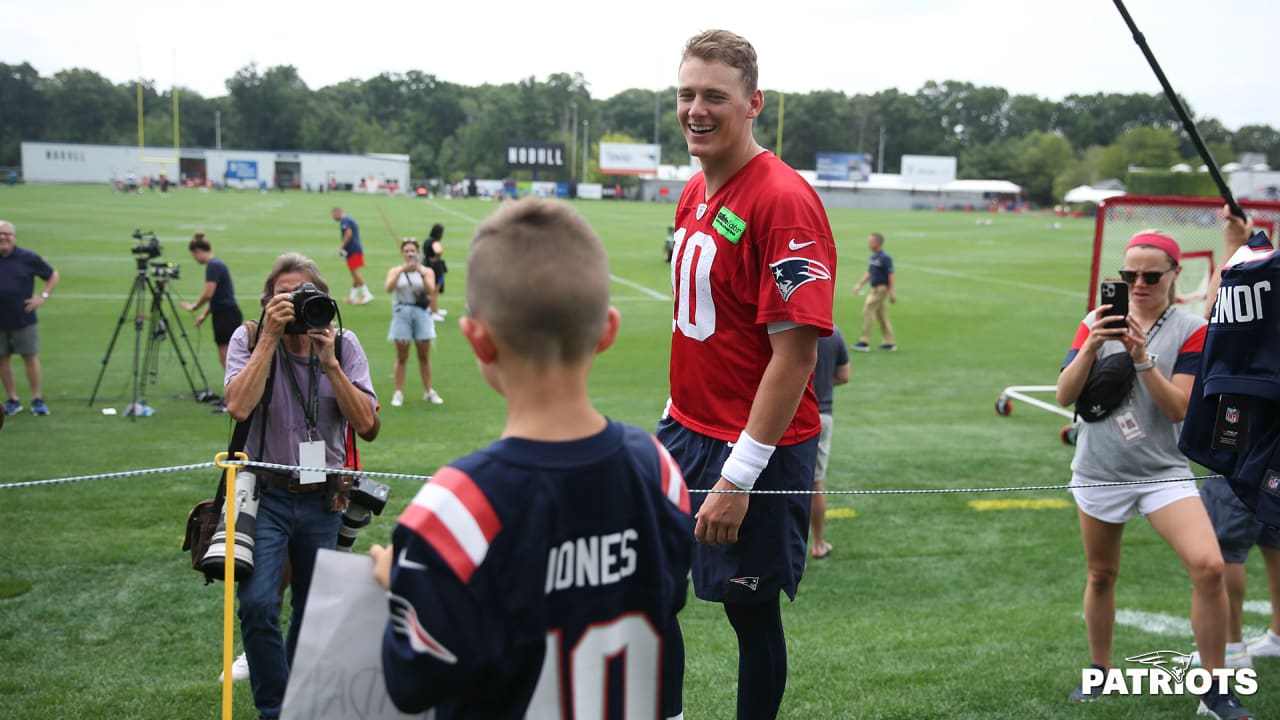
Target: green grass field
[{"x": 927, "y": 608}]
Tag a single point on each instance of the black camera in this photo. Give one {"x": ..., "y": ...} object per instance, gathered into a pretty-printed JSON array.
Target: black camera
[
  {"x": 368, "y": 498},
  {"x": 148, "y": 244},
  {"x": 166, "y": 270},
  {"x": 312, "y": 310}
]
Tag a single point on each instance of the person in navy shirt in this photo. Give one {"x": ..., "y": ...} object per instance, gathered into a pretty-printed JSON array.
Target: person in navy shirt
[
  {"x": 219, "y": 295},
  {"x": 539, "y": 576},
  {"x": 19, "y": 268},
  {"x": 880, "y": 276},
  {"x": 353, "y": 252}
]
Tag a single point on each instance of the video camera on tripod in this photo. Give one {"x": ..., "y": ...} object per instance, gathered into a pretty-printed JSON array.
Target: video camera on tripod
[
  {"x": 148, "y": 245},
  {"x": 166, "y": 271},
  {"x": 146, "y": 304}
]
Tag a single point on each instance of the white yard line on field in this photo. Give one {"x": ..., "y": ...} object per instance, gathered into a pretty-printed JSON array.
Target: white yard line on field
[{"x": 981, "y": 279}]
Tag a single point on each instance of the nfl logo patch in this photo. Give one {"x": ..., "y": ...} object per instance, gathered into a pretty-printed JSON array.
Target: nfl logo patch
[
  {"x": 1232, "y": 415},
  {"x": 1273, "y": 483}
]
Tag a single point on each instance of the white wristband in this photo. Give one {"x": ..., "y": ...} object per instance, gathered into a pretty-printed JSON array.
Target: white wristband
[{"x": 746, "y": 461}]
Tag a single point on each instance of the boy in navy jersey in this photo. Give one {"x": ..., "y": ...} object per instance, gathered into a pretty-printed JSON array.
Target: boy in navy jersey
[{"x": 540, "y": 576}]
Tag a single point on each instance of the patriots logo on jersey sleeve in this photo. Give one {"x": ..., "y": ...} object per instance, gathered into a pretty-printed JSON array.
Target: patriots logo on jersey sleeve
[
  {"x": 790, "y": 273},
  {"x": 404, "y": 619}
]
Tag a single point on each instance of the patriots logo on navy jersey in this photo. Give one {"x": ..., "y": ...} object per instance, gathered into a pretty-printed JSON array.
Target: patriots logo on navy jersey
[
  {"x": 790, "y": 273},
  {"x": 750, "y": 583}
]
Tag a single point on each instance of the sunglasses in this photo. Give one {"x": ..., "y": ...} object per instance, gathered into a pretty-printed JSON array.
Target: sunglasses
[{"x": 1150, "y": 277}]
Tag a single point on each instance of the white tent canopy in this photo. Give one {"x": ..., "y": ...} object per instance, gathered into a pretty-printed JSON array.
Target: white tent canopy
[{"x": 1085, "y": 193}]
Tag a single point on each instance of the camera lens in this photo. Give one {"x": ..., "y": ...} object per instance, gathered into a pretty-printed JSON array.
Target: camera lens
[{"x": 318, "y": 312}]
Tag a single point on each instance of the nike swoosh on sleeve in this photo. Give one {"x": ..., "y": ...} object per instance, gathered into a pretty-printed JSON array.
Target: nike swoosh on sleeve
[{"x": 796, "y": 246}]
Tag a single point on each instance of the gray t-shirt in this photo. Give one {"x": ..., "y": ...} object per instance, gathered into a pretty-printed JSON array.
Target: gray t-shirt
[
  {"x": 1103, "y": 453},
  {"x": 287, "y": 424}
]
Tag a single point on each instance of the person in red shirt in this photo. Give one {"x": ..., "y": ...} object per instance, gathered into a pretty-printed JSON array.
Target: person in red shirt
[{"x": 752, "y": 273}]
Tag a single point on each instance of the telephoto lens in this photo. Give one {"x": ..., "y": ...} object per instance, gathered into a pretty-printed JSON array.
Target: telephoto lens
[
  {"x": 354, "y": 518},
  {"x": 246, "y": 504}
]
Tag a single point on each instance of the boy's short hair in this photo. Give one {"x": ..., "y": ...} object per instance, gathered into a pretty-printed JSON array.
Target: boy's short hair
[
  {"x": 538, "y": 275},
  {"x": 293, "y": 262},
  {"x": 199, "y": 242},
  {"x": 726, "y": 47}
]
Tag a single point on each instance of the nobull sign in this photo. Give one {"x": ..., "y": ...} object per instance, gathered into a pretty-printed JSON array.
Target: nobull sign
[{"x": 535, "y": 156}]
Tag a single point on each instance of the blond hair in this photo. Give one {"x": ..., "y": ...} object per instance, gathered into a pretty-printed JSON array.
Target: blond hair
[
  {"x": 726, "y": 47},
  {"x": 538, "y": 275}
]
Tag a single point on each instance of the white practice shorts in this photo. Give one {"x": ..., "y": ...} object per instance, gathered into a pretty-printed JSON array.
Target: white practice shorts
[{"x": 1120, "y": 503}]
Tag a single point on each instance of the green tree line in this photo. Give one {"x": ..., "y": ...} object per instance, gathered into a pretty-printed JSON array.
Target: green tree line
[{"x": 452, "y": 131}]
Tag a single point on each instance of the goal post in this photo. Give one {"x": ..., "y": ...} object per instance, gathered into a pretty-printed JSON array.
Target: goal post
[{"x": 1192, "y": 221}]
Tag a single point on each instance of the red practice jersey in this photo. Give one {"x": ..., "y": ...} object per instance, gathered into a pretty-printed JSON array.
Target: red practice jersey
[{"x": 759, "y": 251}]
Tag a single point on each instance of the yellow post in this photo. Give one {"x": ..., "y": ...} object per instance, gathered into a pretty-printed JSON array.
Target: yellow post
[
  {"x": 141, "y": 142},
  {"x": 228, "y": 578},
  {"x": 782, "y": 106}
]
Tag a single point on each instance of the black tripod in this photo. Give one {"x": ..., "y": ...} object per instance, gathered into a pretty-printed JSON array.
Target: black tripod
[{"x": 146, "y": 364}]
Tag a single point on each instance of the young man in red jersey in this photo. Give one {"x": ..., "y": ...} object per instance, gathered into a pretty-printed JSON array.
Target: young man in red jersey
[{"x": 752, "y": 276}]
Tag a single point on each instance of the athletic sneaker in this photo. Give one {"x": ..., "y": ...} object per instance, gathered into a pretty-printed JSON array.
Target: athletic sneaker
[
  {"x": 1267, "y": 644},
  {"x": 219, "y": 408},
  {"x": 437, "y": 316},
  {"x": 861, "y": 346},
  {"x": 12, "y": 406},
  {"x": 364, "y": 300},
  {"x": 432, "y": 397},
  {"x": 1079, "y": 695},
  {"x": 888, "y": 347},
  {"x": 1223, "y": 707},
  {"x": 397, "y": 399},
  {"x": 38, "y": 407},
  {"x": 1234, "y": 659},
  {"x": 239, "y": 669}
]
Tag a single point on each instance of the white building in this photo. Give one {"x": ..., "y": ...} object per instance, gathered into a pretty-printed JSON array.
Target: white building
[{"x": 45, "y": 162}]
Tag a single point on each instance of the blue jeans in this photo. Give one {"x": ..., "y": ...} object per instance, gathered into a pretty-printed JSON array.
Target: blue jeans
[{"x": 290, "y": 527}]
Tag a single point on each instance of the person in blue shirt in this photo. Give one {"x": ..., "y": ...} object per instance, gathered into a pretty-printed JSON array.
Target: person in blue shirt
[
  {"x": 19, "y": 268},
  {"x": 523, "y": 575},
  {"x": 218, "y": 298},
  {"x": 353, "y": 251},
  {"x": 880, "y": 277}
]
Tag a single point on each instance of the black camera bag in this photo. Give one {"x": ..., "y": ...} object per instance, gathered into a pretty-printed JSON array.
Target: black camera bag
[{"x": 1109, "y": 382}]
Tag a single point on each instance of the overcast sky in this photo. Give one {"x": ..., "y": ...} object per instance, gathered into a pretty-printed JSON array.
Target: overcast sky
[{"x": 1208, "y": 51}]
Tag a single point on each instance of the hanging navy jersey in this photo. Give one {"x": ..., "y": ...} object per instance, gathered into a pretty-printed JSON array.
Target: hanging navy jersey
[
  {"x": 1242, "y": 361},
  {"x": 540, "y": 579}
]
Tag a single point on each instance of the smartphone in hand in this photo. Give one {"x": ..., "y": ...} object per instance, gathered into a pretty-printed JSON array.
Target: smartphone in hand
[{"x": 1116, "y": 294}]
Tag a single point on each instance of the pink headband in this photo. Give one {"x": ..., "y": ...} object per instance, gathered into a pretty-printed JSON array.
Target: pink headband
[{"x": 1157, "y": 240}]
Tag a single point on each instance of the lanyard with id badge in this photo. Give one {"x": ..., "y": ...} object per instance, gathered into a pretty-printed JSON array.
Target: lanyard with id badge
[
  {"x": 1126, "y": 421},
  {"x": 311, "y": 452}
]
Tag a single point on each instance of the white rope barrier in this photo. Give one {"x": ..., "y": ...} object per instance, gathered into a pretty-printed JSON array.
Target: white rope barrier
[{"x": 425, "y": 478}]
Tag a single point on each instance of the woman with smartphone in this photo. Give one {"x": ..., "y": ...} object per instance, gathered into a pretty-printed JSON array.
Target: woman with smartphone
[{"x": 1137, "y": 442}]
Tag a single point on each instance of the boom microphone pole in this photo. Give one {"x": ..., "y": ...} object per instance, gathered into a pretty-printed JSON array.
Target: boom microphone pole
[{"x": 1187, "y": 123}]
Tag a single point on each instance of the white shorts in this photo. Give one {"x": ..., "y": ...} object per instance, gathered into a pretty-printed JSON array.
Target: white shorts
[{"x": 1119, "y": 503}]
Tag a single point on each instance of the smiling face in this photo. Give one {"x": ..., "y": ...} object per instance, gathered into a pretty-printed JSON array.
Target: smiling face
[{"x": 716, "y": 111}]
